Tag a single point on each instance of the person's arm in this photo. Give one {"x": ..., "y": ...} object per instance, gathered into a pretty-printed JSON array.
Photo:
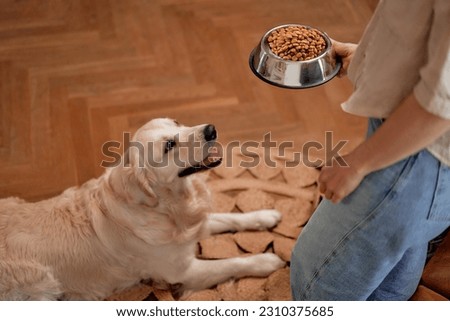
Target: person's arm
[{"x": 409, "y": 129}]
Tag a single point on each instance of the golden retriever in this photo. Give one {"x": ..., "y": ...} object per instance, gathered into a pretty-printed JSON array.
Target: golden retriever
[{"x": 140, "y": 220}]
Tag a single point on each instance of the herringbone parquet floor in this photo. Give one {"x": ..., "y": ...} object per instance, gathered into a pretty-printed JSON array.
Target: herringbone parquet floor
[{"x": 77, "y": 73}]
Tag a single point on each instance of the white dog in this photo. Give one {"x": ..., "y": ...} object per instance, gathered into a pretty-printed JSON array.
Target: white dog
[{"x": 139, "y": 220}]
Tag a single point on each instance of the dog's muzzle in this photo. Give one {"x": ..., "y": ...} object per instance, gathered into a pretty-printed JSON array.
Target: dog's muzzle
[{"x": 211, "y": 160}]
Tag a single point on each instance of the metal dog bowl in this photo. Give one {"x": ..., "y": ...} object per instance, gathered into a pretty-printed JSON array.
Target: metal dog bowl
[{"x": 293, "y": 74}]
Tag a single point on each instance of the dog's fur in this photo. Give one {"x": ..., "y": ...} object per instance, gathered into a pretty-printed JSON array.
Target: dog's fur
[{"x": 133, "y": 223}]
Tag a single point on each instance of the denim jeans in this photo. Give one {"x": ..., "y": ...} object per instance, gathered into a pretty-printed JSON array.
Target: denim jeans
[{"x": 373, "y": 244}]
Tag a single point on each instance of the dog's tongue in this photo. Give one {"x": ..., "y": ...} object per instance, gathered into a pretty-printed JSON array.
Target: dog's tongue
[
  {"x": 210, "y": 160},
  {"x": 213, "y": 158}
]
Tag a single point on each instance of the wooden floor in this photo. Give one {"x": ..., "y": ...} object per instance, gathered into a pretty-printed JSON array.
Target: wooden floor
[{"x": 77, "y": 73}]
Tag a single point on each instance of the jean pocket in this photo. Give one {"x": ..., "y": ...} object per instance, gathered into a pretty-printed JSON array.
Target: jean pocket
[
  {"x": 440, "y": 207},
  {"x": 380, "y": 187}
]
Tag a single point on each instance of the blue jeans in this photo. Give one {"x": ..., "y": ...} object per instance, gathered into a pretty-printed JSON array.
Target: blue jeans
[{"x": 372, "y": 245}]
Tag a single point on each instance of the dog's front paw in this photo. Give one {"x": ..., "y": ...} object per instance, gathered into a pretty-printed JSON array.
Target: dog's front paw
[
  {"x": 264, "y": 219},
  {"x": 266, "y": 263}
]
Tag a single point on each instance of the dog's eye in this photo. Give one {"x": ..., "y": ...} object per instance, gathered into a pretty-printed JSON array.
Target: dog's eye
[{"x": 170, "y": 144}]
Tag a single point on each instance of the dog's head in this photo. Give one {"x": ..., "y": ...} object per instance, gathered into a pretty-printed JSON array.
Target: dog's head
[
  {"x": 166, "y": 150},
  {"x": 163, "y": 153},
  {"x": 157, "y": 168}
]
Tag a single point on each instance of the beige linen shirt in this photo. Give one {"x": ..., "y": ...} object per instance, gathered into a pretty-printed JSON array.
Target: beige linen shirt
[{"x": 405, "y": 49}]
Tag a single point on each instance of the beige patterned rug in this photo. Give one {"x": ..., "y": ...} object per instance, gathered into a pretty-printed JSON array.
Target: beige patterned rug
[{"x": 292, "y": 191}]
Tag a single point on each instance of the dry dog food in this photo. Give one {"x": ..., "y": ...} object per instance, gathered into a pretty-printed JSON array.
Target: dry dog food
[{"x": 296, "y": 43}]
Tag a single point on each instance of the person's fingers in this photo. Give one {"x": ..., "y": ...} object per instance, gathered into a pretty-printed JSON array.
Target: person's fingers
[
  {"x": 329, "y": 194},
  {"x": 340, "y": 48},
  {"x": 336, "y": 198},
  {"x": 341, "y": 53},
  {"x": 342, "y": 72},
  {"x": 322, "y": 188},
  {"x": 322, "y": 180}
]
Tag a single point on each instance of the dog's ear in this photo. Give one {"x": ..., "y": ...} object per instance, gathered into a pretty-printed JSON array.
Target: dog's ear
[
  {"x": 143, "y": 182},
  {"x": 139, "y": 176},
  {"x": 131, "y": 185}
]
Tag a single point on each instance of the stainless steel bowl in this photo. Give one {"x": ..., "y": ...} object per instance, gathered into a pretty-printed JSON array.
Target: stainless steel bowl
[{"x": 293, "y": 74}]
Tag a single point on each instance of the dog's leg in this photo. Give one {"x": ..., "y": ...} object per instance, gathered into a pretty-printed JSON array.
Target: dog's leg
[
  {"x": 203, "y": 274},
  {"x": 232, "y": 222}
]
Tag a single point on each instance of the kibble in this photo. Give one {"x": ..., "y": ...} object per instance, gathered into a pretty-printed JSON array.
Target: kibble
[{"x": 296, "y": 43}]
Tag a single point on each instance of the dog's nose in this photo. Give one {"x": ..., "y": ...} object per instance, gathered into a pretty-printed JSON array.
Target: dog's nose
[{"x": 210, "y": 133}]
